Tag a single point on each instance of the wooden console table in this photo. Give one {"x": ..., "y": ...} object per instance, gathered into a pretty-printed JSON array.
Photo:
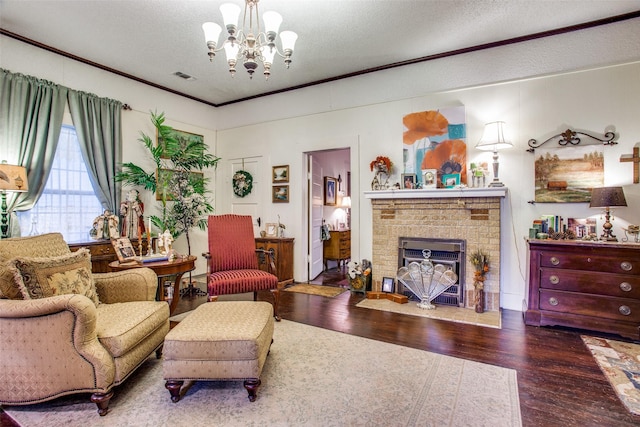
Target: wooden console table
[
  {"x": 164, "y": 269},
  {"x": 283, "y": 252},
  {"x": 585, "y": 285}
]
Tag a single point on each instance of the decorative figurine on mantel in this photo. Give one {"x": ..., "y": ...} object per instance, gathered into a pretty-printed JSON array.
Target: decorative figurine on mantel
[{"x": 382, "y": 166}]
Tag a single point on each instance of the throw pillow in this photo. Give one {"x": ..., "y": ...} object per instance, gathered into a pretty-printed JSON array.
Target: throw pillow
[
  {"x": 47, "y": 277},
  {"x": 8, "y": 287}
]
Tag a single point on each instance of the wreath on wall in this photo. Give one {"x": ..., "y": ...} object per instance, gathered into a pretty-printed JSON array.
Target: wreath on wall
[{"x": 242, "y": 183}]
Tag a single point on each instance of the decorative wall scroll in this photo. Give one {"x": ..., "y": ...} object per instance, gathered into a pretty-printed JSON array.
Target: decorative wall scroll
[{"x": 572, "y": 137}]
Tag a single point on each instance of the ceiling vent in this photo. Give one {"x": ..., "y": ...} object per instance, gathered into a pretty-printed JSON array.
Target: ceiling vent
[{"x": 183, "y": 75}]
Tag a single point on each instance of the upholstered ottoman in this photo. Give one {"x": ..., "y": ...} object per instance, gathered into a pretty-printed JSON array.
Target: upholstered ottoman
[{"x": 219, "y": 341}]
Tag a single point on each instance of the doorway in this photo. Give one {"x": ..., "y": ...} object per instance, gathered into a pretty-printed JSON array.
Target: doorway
[{"x": 334, "y": 164}]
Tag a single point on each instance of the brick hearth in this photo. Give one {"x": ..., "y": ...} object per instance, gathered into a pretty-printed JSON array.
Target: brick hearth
[{"x": 469, "y": 214}]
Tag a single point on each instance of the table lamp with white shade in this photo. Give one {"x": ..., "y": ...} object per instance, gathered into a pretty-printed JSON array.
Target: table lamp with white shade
[{"x": 493, "y": 139}]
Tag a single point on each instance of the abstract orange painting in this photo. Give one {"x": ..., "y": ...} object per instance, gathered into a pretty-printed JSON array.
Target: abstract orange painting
[{"x": 435, "y": 139}]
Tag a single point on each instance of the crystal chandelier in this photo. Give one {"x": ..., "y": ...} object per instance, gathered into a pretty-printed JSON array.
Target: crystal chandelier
[{"x": 249, "y": 44}]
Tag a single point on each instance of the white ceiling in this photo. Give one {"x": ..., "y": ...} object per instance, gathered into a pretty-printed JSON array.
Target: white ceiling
[{"x": 152, "y": 39}]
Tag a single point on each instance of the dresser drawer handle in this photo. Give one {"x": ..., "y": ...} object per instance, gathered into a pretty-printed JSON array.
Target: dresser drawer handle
[
  {"x": 625, "y": 286},
  {"x": 555, "y": 261},
  {"x": 626, "y": 266},
  {"x": 553, "y": 301},
  {"x": 624, "y": 310}
]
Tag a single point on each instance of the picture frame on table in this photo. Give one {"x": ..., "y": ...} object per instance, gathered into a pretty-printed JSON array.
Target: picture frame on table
[
  {"x": 408, "y": 181},
  {"x": 388, "y": 285},
  {"x": 330, "y": 190},
  {"x": 451, "y": 180},
  {"x": 280, "y": 194},
  {"x": 280, "y": 174},
  {"x": 124, "y": 249},
  {"x": 271, "y": 229}
]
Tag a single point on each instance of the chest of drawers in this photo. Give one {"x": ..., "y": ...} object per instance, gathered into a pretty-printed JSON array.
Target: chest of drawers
[
  {"x": 338, "y": 247},
  {"x": 585, "y": 285}
]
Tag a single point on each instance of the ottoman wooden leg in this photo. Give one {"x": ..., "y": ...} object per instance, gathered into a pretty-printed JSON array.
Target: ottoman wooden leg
[
  {"x": 252, "y": 385},
  {"x": 174, "y": 388}
]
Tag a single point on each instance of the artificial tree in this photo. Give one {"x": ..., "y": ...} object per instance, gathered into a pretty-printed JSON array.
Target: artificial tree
[{"x": 176, "y": 179}]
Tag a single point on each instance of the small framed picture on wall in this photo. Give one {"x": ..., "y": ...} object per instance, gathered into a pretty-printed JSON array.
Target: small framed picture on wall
[
  {"x": 280, "y": 174},
  {"x": 329, "y": 191},
  {"x": 280, "y": 194}
]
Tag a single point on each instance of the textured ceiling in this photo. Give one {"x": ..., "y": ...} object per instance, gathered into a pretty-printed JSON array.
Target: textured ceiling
[{"x": 151, "y": 40}]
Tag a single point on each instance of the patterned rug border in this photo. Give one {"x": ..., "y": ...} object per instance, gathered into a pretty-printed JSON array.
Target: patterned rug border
[
  {"x": 320, "y": 290},
  {"x": 619, "y": 362},
  {"x": 488, "y": 319}
]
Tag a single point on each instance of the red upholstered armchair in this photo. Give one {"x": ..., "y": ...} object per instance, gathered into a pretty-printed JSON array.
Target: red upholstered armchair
[{"x": 232, "y": 260}]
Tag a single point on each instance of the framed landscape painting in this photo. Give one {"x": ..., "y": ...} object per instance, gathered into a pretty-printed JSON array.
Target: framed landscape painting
[
  {"x": 280, "y": 174},
  {"x": 567, "y": 174}
]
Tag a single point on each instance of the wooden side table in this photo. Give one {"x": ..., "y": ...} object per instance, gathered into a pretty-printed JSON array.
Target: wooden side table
[
  {"x": 163, "y": 269},
  {"x": 283, "y": 252}
]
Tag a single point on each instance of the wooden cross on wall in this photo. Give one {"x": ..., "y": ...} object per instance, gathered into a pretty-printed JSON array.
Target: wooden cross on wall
[{"x": 635, "y": 158}]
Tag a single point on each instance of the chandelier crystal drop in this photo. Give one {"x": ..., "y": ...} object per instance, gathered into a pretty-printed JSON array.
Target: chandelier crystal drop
[{"x": 249, "y": 44}]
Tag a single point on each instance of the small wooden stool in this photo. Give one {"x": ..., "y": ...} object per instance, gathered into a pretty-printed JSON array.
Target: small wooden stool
[{"x": 219, "y": 341}]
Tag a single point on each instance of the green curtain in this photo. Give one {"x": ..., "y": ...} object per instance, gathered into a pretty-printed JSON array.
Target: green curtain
[
  {"x": 31, "y": 113},
  {"x": 99, "y": 128}
]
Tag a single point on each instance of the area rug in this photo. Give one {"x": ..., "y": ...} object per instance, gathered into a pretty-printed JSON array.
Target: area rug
[
  {"x": 620, "y": 363},
  {"x": 489, "y": 319},
  {"x": 322, "y": 290},
  {"x": 312, "y": 377}
]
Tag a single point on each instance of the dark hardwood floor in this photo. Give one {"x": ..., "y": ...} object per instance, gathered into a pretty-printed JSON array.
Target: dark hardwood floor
[{"x": 559, "y": 382}]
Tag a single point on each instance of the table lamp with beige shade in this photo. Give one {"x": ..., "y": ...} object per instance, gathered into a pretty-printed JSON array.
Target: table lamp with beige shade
[{"x": 14, "y": 179}]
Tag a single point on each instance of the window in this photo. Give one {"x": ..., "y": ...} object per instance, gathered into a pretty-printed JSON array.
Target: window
[{"x": 68, "y": 203}]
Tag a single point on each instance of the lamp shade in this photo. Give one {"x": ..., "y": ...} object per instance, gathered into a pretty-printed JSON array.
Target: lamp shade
[
  {"x": 605, "y": 197},
  {"x": 493, "y": 138},
  {"x": 346, "y": 202},
  {"x": 13, "y": 178}
]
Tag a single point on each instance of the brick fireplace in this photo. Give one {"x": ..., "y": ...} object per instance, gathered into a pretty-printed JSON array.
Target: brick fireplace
[{"x": 469, "y": 214}]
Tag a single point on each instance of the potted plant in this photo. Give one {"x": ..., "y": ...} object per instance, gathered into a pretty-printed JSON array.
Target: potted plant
[{"x": 181, "y": 189}]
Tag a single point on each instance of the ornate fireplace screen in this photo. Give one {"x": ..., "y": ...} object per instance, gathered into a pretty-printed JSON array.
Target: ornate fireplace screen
[
  {"x": 426, "y": 280},
  {"x": 448, "y": 253}
]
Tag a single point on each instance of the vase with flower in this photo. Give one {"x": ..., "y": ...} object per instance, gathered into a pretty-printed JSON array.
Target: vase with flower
[
  {"x": 359, "y": 276},
  {"x": 382, "y": 166},
  {"x": 480, "y": 262}
]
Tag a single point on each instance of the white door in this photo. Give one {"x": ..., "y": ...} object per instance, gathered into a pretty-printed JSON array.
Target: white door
[
  {"x": 315, "y": 217},
  {"x": 252, "y": 203}
]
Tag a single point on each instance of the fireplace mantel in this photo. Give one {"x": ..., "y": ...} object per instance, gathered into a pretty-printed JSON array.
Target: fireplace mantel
[{"x": 437, "y": 193}]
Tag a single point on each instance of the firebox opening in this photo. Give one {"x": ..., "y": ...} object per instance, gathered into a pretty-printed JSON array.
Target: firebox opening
[{"x": 448, "y": 252}]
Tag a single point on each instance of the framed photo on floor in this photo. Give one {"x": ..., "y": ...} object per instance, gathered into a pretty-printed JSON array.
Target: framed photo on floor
[{"x": 388, "y": 285}]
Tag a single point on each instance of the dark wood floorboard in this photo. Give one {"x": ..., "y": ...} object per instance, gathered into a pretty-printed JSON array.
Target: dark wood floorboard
[{"x": 559, "y": 382}]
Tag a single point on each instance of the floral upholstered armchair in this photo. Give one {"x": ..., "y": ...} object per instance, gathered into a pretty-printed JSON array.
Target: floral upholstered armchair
[{"x": 64, "y": 330}]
